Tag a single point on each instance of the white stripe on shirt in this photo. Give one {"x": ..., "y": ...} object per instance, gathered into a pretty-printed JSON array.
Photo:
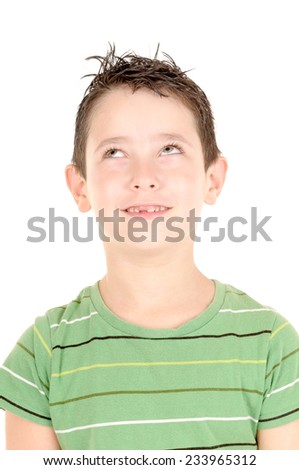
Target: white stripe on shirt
[
  {"x": 153, "y": 421},
  {"x": 277, "y": 390},
  {"x": 224, "y": 310},
  {"x": 74, "y": 321},
  {"x": 19, "y": 377}
]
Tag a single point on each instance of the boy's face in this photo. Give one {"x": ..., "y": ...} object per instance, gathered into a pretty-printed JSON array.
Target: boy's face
[{"x": 144, "y": 150}]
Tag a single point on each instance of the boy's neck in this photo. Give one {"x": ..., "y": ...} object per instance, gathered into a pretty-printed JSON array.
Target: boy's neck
[{"x": 158, "y": 291}]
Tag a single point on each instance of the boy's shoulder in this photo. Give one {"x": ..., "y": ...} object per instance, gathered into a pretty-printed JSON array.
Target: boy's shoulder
[
  {"x": 239, "y": 299},
  {"x": 241, "y": 308},
  {"x": 68, "y": 312},
  {"x": 76, "y": 312}
]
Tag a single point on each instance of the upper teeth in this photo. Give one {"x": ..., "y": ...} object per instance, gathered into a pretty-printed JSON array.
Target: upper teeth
[{"x": 147, "y": 209}]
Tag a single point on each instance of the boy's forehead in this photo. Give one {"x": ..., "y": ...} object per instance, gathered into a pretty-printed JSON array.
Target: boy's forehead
[
  {"x": 117, "y": 124},
  {"x": 122, "y": 100},
  {"x": 124, "y": 116},
  {"x": 125, "y": 91}
]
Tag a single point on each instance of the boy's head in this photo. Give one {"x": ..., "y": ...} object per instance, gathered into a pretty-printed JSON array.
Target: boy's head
[
  {"x": 163, "y": 77},
  {"x": 145, "y": 146}
]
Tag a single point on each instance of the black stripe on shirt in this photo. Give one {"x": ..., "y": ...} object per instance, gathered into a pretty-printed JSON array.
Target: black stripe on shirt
[
  {"x": 219, "y": 446},
  {"x": 103, "y": 338},
  {"x": 280, "y": 416},
  {"x": 24, "y": 409}
]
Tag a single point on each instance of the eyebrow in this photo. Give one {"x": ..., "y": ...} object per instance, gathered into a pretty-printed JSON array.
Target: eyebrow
[{"x": 163, "y": 135}]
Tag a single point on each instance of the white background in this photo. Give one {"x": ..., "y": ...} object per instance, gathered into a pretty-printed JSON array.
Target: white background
[{"x": 244, "y": 54}]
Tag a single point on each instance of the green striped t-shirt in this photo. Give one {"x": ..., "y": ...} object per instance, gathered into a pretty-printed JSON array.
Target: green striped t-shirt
[{"x": 104, "y": 383}]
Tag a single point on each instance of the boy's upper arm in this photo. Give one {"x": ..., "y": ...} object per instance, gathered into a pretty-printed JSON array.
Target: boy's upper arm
[
  {"x": 281, "y": 438},
  {"x": 279, "y": 415},
  {"x": 24, "y": 376},
  {"x": 22, "y": 434}
]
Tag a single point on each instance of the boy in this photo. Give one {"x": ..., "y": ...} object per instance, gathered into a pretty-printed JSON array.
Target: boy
[{"x": 155, "y": 355}]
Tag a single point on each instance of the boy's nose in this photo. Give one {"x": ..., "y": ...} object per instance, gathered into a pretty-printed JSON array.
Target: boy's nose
[{"x": 144, "y": 178}]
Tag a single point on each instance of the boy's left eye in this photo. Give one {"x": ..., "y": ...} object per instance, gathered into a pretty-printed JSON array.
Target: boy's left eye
[{"x": 171, "y": 150}]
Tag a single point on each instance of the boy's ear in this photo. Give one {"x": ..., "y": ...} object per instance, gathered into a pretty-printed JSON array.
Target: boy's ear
[
  {"x": 215, "y": 179},
  {"x": 77, "y": 186}
]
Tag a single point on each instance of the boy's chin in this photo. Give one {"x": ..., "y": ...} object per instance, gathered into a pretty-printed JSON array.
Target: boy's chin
[
  {"x": 146, "y": 242},
  {"x": 152, "y": 238}
]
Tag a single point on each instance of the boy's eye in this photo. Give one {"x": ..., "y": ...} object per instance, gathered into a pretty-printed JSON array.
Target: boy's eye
[
  {"x": 171, "y": 150},
  {"x": 113, "y": 153}
]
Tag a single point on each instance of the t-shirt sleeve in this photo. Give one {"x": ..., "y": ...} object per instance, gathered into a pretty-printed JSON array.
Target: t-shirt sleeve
[
  {"x": 281, "y": 396},
  {"x": 24, "y": 376}
]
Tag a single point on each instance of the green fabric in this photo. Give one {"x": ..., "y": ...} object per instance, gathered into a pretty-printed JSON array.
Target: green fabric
[{"x": 104, "y": 383}]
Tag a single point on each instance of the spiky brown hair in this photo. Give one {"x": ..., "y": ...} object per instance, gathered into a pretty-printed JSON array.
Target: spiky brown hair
[{"x": 163, "y": 77}]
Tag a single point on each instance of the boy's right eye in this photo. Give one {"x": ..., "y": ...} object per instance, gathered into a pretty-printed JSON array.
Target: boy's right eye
[{"x": 113, "y": 153}]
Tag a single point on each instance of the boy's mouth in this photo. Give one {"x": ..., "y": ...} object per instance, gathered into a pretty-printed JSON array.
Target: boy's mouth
[{"x": 147, "y": 211}]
